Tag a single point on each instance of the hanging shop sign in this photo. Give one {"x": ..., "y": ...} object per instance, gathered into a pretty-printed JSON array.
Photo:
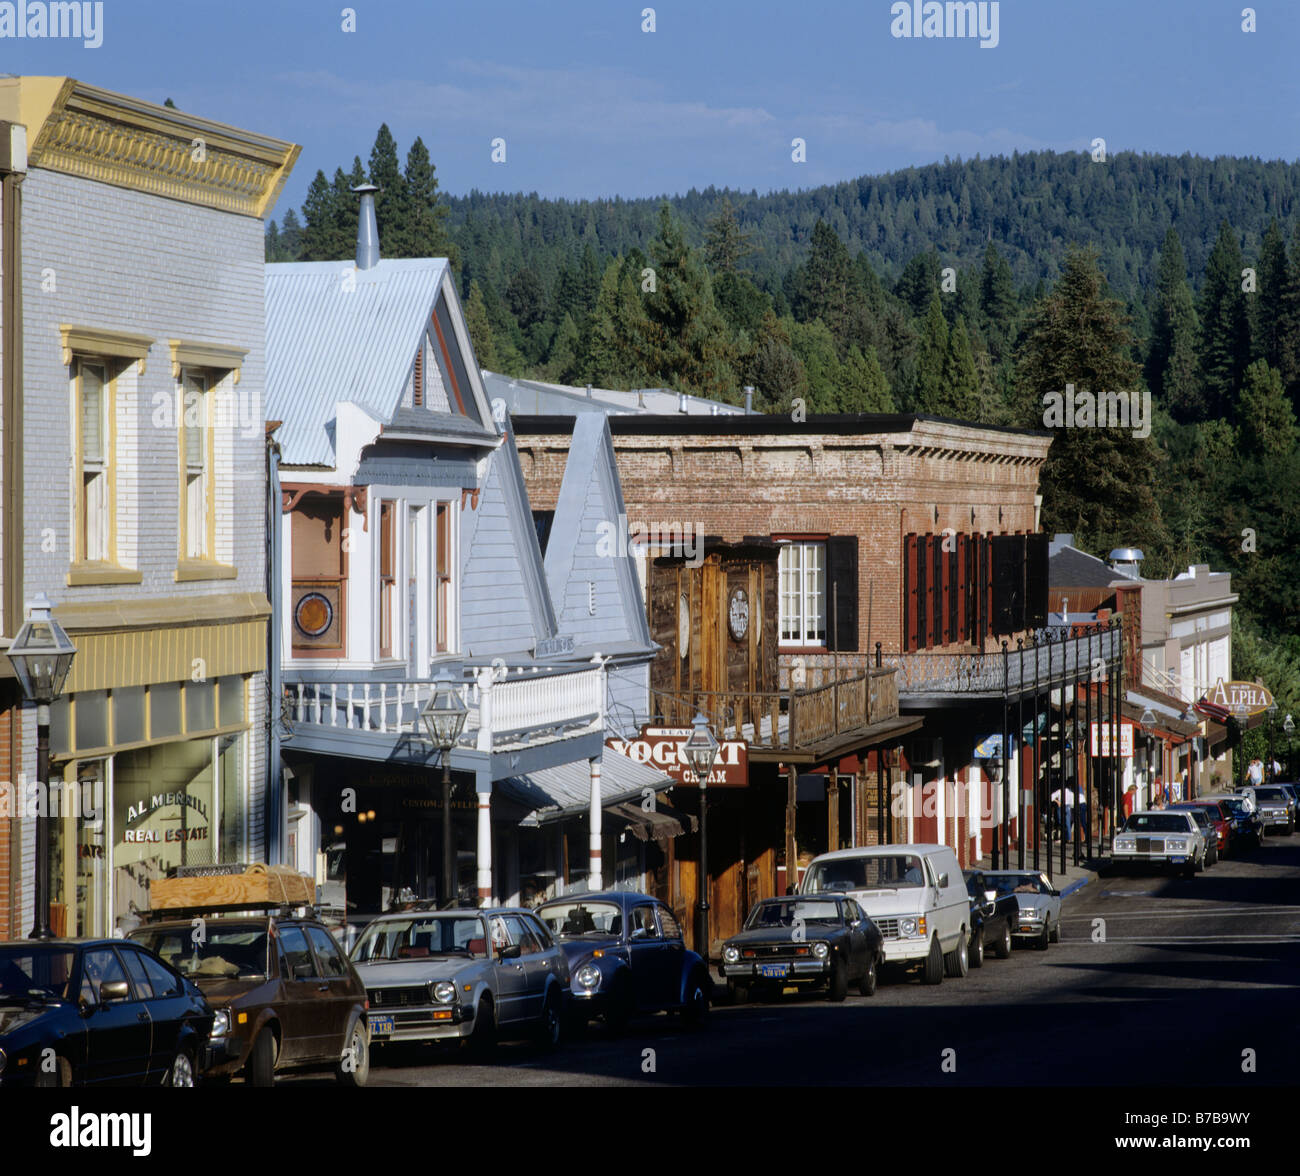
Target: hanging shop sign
[
  {"x": 661, "y": 747},
  {"x": 1101, "y": 739},
  {"x": 1241, "y": 699}
]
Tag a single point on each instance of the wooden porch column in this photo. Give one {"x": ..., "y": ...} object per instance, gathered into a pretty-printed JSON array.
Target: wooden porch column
[
  {"x": 594, "y": 877},
  {"x": 832, "y": 810},
  {"x": 791, "y": 846},
  {"x": 484, "y": 843}
]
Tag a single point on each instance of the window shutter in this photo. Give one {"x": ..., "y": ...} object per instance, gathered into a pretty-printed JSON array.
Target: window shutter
[
  {"x": 1008, "y": 583},
  {"x": 922, "y": 591},
  {"x": 1036, "y": 581},
  {"x": 842, "y": 584},
  {"x": 952, "y": 590},
  {"x": 938, "y": 611},
  {"x": 92, "y": 414},
  {"x": 417, "y": 382},
  {"x": 909, "y": 592}
]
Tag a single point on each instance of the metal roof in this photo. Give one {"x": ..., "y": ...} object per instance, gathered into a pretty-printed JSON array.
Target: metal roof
[
  {"x": 565, "y": 790},
  {"x": 540, "y": 398},
  {"x": 336, "y": 333}
]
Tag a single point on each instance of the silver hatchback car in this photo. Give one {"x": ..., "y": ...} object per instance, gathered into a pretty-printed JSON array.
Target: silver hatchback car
[{"x": 476, "y": 975}]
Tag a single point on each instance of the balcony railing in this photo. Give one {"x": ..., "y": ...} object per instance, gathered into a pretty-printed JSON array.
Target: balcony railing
[
  {"x": 799, "y": 720},
  {"x": 519, "y": 705}
]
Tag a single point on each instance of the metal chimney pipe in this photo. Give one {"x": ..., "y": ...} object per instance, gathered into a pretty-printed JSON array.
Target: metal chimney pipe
[
  {"x": 367, "y": 228},
  {"x": 749, "y": 399},
  {"x": 681, "y": 401},
  {"x": 588, "y": 391}
]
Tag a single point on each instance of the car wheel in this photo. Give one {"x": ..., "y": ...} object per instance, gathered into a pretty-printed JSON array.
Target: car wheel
[
  {"x": 1290, "y": 827},
  {"x": 957, "y": 961},
  {"x": 618, "y": 1012},
  {"x": 1003, "y": 947},
  {"x": 181, "y": 1072},
  {"x": 1045, "y": 938},
  {"x": 933, "y": 973},
  {"x": 696, "y": 1008},
  {"x": 483, "y": 1038},
  {"x": 1055, "y": 936},
  {"x": 838, "y": 988},
  {"x": 1199, "y": 864},
  {"x": 261, "y": 1060},
  {"x": 61, "y": 1075},
  {"x": 738, "y": 993},
  {"x": 870, "y": 978},
  {"x": 548, "y": 1027},
  {"x": 977, "y": 948},
  {"x": 353, "y": 1068}
]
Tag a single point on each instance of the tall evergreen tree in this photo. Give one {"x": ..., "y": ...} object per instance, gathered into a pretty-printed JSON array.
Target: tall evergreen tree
[
  {"x": 290, "y": 236},
  {"x": 929, "y": 393},
  {"x": 997, "y": 298},
  {"x": 919, "y": 281},
  {"x": 480, "y": 329},
  {"x": 320, "y": 240},
  {"x": 774, "y": 370},
  {"x": 618, "y": 330},
  {"x": 725, "y": 245},
  {"x": 1171, "y": 363},
  {"x": 390, "y": 201},
  {"x": 862, "y": 386},
  {"x": 825, "y": 286},
  {"x": 1225, "y": 329},
  {"x": 1266, "y": 421},
  {"x": 425, "y": 216},
  {"x": 960, "y": 397},
  {"x": 1277, "y": 335}
]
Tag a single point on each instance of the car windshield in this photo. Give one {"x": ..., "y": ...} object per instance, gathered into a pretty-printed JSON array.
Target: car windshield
[
  {"x": 209, "y": 951},
  {"x": 1156, "y": 823},
  {"x": 1237, "y": 807},
  {"x": 789, "y": 912},
  {"x": 420, "y": 937},
  {"x": 25, "y": 970},
  {"x": 1198, "y": 815},
  {"x": 567, "y": 920},
  {"x": 877, "y": 872},
  {"x": 1276, "y": 794},
  {"x": 1020, "y": 883}
]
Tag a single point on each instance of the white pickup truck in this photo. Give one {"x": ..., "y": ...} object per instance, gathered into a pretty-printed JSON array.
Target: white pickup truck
[{"x": 915, "y": 894}]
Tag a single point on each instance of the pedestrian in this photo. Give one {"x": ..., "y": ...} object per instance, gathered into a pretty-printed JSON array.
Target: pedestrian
[
  {"x": 1130, "y": 800},
  {"x": 1276, "y": 772},
  {"x": 1065, "y": 806},
  {"x": 1255, "y": 772}
]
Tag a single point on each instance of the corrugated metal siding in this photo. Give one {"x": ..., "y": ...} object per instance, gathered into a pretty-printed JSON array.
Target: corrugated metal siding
[
  {"x": 336, "y": 333},
  {"x": 143, "y": 656}
]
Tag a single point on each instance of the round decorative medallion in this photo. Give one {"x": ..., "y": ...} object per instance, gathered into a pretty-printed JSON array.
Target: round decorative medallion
[
  {"x": 738, "y": 614},
  {"x": 683, "y": 626},
  {"x": 313, "y": 614}
]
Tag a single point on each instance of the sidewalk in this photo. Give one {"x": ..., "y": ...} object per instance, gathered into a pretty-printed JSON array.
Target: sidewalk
[{"x": 1073, "y": 878}]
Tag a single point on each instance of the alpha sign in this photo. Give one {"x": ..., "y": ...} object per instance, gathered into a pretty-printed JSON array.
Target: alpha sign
[
  {"x": 661, "y": 747},
  {"x": 1240, "y": 698}
]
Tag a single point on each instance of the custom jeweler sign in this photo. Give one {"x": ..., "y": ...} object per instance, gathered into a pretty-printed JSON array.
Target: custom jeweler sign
[
  {"x": 1240, "y": 698},
  {"x": 661, "y": 747}
]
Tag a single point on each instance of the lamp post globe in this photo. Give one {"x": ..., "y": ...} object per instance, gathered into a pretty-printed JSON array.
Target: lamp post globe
[
  {"x": 700, "y": 751},
  {"x": 42, "y": 655},
  {"x": 444, "y": 718}
]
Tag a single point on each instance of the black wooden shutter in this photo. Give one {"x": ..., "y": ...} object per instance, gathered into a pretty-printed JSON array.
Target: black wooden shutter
[
  {"x": 1036, "y": 580},
  {"x": 936, "y": 555},
  {"x": 1008, "y": 583},
  {"x": 922, "y": 591},
  {"x": 909, "y": 592},
  {"x": 954, "y": 588},
  {"x": 842, "y": 584}
]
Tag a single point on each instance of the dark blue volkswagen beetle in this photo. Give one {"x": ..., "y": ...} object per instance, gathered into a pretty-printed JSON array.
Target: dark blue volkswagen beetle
[{"x": 626, "y": 956}]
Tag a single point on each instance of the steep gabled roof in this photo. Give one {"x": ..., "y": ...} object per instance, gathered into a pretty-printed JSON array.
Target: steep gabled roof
[
  {"x": 335, "y": 334},
  {"x": 586, "y": 558}
]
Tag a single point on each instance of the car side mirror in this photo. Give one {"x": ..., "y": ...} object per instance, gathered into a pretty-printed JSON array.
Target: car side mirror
[
  {"x": 511, "y": 951},
  {"x": 943, "y": 881},
  {"x": 991, "y": 896},
  {"x": 1055, "y": 893},
  {"x": 112, "y": 990}
]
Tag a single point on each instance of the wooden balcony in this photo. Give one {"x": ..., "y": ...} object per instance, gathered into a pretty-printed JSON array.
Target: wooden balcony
[{"x": 799, "y": 726}]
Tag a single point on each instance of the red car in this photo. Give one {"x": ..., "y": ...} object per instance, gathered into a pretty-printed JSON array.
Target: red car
[{"x": 1220, "y": 820}]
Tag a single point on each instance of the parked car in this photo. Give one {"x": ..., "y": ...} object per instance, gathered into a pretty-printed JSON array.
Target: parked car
[
  {"x": 1209, "y": 825},
  {"x": 626, "y": 956},
  {"x": 284, "y": 995},
  {"x": 1038, "y": 918},
  {"x": 813, "y": 940},
  {"x": 914, "y": 894},
  {"x": 1274, "y": 806},
  {"x": 993, "y": 917},
  {"x": 1247, "y": 830},
  {"x": 1162, "y": 838},
  {"x": 109, "y": 1011},
  {"x": 468, "y": 974},
  {"x": 1220, "y": 817},
  {"x": 1293, "y": 791}
]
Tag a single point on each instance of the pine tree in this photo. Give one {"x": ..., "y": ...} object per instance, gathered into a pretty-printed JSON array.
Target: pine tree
[
  {"x": 526, "y": 296},
  {"x": 618, "y": 330},
  {"x": 961, "y": 386},
  {"x": 862, "y": 385},
  {"x": 1267, "y": 423},
  {"x": 320, "y": 239},
  {"x": 1225, "y": 329},
  {"x": 919, "y": 281},
  {"x": 290, "y": 236},
  {"x": 774, "y": 370},
  {"x": 1171, "y": 364},
  {"x": 273, "y": 245},
  {"x": 425, "y": 215},
  {"x": 1097, "y": 482},
  {"x": 390, "y": 201},
  {"x": 825, "y": 286},
  {"x": 1277, "y": 335},
  {"x": 929, "y": 393},
  {"x": 725, "y": 246},
  {"x": 480, "y": 329},
  {"x": 565, "y": 359},
  {"x": 997, "y": 298}
]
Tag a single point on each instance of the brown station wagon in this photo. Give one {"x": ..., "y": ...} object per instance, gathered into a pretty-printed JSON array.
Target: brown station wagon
[{"x": 286, "y": 997}]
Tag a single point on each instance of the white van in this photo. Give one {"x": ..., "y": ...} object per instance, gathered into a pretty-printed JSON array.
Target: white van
[{"x": 915, "y": 894}]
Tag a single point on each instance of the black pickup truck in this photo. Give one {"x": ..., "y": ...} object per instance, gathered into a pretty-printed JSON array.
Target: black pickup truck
[{"x": 992, "y": 920}]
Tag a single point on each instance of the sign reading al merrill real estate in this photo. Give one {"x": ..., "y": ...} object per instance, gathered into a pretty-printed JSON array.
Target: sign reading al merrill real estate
[{"x": 661, "y": 747}]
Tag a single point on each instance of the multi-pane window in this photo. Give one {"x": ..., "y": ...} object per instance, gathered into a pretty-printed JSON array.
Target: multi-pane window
[
  {"x": 442, "y": 566},
  {"x": 802, "y": 568},
  {"x": 387, "y": 578},
  {"x": 95, "y": 461},
  {"x": 196, "y": 458}
]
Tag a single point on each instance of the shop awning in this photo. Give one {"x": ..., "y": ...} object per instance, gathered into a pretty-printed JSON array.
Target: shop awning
[
  {"x": 664, "y": 823},
  {"x": 1168, "y": 711},
  {"x": 555, "y": 794}
]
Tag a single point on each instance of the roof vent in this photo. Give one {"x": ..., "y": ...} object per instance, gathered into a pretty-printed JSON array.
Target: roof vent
[
  {"x": 367, "y": 228},
  {"x": 1127, "y": 561},
  {"x": 749, "y": 399}
]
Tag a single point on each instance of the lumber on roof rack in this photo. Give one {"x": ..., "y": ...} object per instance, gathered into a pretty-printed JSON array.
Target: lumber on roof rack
[{"x": 258, "y": 886}]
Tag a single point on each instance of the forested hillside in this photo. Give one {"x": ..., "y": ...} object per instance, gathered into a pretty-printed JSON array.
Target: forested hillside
[{"x": 969, "y": 290}]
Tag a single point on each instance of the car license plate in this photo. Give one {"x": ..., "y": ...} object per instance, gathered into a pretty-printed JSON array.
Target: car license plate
[
  {"x": 774, "y": 969},
  {"x": 381, "y": 1025},
  {"x": 1177, "y": 859}
]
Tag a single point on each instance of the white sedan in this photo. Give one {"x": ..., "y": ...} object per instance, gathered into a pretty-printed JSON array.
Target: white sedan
[
  {"x": 1170, "y": 838},
  {"x": 1039, "y": 901}
]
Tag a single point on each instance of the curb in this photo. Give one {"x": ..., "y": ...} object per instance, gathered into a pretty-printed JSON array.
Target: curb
[{"x": 1079, "y": 885}]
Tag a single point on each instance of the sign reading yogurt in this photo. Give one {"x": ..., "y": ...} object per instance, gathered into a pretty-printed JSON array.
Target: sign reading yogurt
[{"x": 661, "y": 747}]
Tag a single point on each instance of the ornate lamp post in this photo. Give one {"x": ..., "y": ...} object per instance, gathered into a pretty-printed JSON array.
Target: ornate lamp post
[
  {"x": 1148, "y": 721},
  {"x": 1268, "y": 768},
  {"x": 700, "y": 750},
  {"x": 444, "y": 718},
  {"x": 42, "y": 656},
  {"x": 1288, "y": 726},
  {"x": 994, "y": 767}
]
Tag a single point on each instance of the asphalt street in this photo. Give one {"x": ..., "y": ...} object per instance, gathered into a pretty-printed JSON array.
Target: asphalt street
[{"x": 1156, "y": 981}]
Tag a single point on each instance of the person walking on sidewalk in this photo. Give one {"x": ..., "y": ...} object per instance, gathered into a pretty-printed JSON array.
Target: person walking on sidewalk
[{"x": 1065, "y": 806}]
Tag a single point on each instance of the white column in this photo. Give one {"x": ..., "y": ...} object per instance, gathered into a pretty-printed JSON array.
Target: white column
[
  {"x": 594, "y": 879},
  {"x": 484, "y": 742},
  {"x": 941, "y": 808},
  {"x": 484, "y": 842},
  {"x": 976, "y": 808}
]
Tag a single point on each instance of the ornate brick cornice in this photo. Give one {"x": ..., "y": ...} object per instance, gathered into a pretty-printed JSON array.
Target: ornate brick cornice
[{"x": 85, "y": 131}]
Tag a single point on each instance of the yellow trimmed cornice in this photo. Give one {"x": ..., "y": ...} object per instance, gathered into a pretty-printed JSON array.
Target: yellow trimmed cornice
[
  {"x": 100, "y": 341},
  {"x": 218, "y": 356},
  {"x": 86, "y": 131}
]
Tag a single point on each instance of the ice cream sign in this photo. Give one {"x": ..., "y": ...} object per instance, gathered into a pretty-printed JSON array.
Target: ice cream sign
[
  {"x": 661, "y": 747},
  {"x": 1240, "y": 698}
]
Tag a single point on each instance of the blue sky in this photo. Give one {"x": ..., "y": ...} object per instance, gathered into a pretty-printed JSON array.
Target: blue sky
[{"x": 590, "y": 106}]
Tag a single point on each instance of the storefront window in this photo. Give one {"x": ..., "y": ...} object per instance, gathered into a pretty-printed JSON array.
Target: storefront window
[
  {"x": 92, "y": 861},
  {"x": 60, "y": 730},
  {"x": 231, "y": 691},
  {"x": 91, "y": 717},
  {"x": 200, "y": 706},
  {"x": 128, "y": 714},
  {"x": 228, "y": 775},
  {"x": 165, "y": 710}
]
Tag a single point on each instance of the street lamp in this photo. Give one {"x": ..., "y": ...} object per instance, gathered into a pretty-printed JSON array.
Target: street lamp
[
  {"x": 700, "y": 750},
  {"x": 444, "y": 718},
  {"x": 42, "y": 656},
  {"x": 1272, "y": 714},
  {"x": 1148, "y": 721},
  {"x": 1288, "y": 725}
]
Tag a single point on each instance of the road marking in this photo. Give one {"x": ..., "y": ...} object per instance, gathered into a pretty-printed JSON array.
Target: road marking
[
  {"x": 1190, "y": 913},
  {"x": 1127, "y": 893},
  {"x": 1192, "y": 939}
]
